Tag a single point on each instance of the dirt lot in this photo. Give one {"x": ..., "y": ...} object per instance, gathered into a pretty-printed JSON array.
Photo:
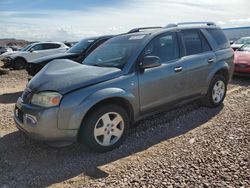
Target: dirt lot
[{"x": 190, "y": 146}]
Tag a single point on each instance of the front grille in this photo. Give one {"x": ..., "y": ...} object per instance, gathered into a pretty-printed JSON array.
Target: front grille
[{"x": 26, "y": 96}]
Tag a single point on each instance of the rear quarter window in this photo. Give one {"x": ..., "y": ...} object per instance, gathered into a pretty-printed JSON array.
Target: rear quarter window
[{"x": 219, "y": 37}]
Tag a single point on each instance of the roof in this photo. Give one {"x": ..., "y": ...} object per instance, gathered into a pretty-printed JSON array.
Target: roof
[
  {"x": 175, "y": 26},
  {"x": 236, "y": 28},
  {"x": 48, "y": 42}
]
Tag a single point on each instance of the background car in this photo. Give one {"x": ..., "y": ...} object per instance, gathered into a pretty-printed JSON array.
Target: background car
[
  {"x": 76, "y": 53},
  {"x": 238, "y": 43},
  {"x": 242, "y": 61},
  {"x": 19, "y": 59}
]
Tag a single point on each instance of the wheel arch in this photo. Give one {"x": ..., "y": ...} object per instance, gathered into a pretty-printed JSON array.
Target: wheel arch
[
  {"x": 121, "y": 101},
  {"x": 19, "y": 57},
  {"x": 223, "y": 71},
  {"x": 117, "y": 100},
  {"x": 16, "y": 58}
]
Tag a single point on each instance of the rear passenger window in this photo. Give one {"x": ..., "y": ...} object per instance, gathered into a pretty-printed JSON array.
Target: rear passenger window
[
  {"x": 219, "y": 37},
  {"x": 165, "y": 47},
  {"x": 192, "y": 42},
  {"x": 48, "y": 46},
  {"x": 56, "y": 45}
]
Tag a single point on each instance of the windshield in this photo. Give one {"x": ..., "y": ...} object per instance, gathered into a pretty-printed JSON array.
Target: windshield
[
  {"x": 243, "y": 41},
  {"x": 81, "y": 46},
  {"x": 26, "y": 47},
  {"x": 115, "y": 52},
  {"x": 245, "y": 48}
]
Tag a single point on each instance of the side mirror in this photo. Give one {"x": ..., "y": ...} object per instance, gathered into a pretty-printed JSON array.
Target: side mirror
[
  {"x": 150, "y": 62},
  {"x": 231, "y": 42}
]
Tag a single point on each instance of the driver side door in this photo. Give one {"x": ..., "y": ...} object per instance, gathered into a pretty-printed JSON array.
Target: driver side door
[
  {"x": 34, "y": 52},
  {"x": 166, "y": 83}
]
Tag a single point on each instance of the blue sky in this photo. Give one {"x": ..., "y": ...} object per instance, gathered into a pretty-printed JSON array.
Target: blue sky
[
  {"x": 75, "y": 19},
  {"x": 27, "y": 5}
]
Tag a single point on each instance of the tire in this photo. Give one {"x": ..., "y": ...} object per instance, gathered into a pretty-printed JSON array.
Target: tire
[
  {"x": 18, "y": 64},
  {"x": 216, "y": 92},
  {"x": 102, "y": 136}
]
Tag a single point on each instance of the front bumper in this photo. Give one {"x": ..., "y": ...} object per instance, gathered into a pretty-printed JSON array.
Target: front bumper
[
  {"x": 7, "y": 61},
  {"x": 45, "y": 128}
]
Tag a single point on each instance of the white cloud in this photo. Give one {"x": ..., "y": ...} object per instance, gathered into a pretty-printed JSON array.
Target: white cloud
[{"x": 74, "y": 25}]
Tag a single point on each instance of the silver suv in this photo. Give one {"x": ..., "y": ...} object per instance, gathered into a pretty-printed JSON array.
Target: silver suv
[{"x": 125, "y": 79}]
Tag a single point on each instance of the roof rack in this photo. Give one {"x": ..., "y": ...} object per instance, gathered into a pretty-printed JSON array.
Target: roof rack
[
  {"x": 135, "y": 30},
  {"x": 191, "y": 23}
]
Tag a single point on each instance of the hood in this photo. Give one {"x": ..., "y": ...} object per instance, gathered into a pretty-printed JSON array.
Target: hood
[
  {"x": 8, "y": 54},
  {"x": 242, "y": 57},
  {"x": 64, "y": 75},
  {"x": 49, "y": 58}
]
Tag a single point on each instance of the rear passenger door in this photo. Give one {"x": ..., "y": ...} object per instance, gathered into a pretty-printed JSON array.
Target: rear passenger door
[
  {"x": 198, "y": 58},
  {"x": 166, "y": 83}
]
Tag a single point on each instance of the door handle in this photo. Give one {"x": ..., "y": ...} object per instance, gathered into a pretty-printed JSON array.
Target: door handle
[
  {"x": 210, "y": 60},
  {"x": 178, "y": 69}
]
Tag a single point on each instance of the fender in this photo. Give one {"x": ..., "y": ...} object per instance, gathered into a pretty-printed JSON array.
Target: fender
[
  {"x": 91, "y": 100},
  {"x": 18, "y": 57},
  {"x": 219, "y": 66}
]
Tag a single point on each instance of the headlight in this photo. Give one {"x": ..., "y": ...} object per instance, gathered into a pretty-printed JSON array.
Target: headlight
[{"x": 46, "y": 99}]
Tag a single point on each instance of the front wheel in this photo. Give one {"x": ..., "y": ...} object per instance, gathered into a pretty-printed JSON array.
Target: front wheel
[
  {"x": 104, "y": 128},
  {"x": 19, "y": 64},
  {"x": 216, "y": 92}
]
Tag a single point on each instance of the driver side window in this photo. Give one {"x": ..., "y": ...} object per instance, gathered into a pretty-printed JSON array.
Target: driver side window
[
  {"x": 165, "y": 47},
  {"x": 37, "y": 47}
]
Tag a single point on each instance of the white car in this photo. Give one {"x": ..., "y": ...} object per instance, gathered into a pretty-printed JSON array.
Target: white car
[
  {"x": 238, "y": 43},
  {"x": 18, "y": 59}
]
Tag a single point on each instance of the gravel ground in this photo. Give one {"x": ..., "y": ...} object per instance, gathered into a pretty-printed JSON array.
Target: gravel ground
[{"x": 190, "y": 146}]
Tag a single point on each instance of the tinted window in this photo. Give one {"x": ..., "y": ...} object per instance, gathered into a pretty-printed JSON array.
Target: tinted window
[
  {"x": 206, "y": 47},
  {"x": 48, "y": 46},
  {"x": 219, "y": 37},
  {"x": 37, "y": 47},
  {"x": 57, "y": 45},
  {"x": 165, "y": 47},
  {"x": 192, "y": 41}
]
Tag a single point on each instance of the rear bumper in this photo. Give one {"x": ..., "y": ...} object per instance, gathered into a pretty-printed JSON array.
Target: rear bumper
[
  {"x": 243, "y": 74},
  {"x": 242, "y": 70},
  {"x": 45, "y": 128}
]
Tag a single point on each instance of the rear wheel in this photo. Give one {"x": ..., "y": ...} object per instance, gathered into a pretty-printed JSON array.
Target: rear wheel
[
  {"x": 216, "y": 92},
  {"x": 104, "y": 128},
  {"x": 19, "y": 64}
]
